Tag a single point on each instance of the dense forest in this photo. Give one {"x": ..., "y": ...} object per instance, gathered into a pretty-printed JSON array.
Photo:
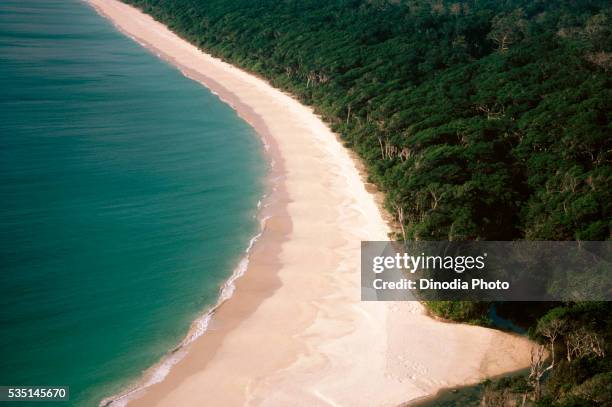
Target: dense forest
[{"x": 479, "y": 119}]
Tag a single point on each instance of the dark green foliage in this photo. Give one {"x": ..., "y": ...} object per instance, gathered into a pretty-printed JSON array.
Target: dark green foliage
[
  {"x": 582, "y": 380},
  {"x": 586, "y": 380},
  {"x": 460, "y": 311},
  {"x": 480, "y": 119},
  {"x": 516, "y": 384},
  {"x": 501, "y": 108}
]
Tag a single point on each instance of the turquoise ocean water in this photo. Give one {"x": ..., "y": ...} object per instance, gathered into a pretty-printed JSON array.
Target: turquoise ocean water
[{"x": 127, "y": 196}]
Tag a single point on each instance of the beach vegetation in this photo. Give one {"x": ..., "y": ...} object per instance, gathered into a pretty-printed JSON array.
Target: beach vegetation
[{"x": 478, "y": 119}]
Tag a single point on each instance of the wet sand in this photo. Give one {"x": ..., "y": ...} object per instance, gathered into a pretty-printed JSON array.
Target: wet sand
[{"x": 295, "y": 331}]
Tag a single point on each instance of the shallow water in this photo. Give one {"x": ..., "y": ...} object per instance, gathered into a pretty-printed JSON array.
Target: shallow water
[{"x": 128, "y": 194}]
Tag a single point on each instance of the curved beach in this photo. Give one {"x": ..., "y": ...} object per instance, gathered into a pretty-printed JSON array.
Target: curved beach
[{"x": 295, "y": 331}]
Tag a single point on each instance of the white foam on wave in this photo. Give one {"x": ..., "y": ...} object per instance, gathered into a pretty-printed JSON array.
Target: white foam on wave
[{"x": 158, "y": 372}]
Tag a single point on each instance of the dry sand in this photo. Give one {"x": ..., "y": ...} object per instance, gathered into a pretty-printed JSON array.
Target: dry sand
[{"x": 295, "y": 332}]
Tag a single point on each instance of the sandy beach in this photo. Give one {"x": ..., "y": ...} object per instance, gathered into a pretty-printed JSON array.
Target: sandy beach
[{"x": 295, "y": 331}]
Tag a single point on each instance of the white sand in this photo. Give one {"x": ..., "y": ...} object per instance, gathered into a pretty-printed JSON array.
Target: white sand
[{"x": 295, "y": 333}]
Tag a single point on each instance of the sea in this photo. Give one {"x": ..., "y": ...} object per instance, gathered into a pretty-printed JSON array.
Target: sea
[{"x": 128, "y": 196}]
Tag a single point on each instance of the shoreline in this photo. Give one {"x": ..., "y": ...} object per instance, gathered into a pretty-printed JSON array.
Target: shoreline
[
  {"x": 295, "y": 331},
  {"x": 452, "y": 394}
]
